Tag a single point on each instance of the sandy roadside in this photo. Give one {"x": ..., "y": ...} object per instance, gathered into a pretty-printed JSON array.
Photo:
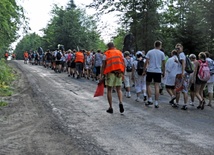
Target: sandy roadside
[{"x": 28, "y": 127}]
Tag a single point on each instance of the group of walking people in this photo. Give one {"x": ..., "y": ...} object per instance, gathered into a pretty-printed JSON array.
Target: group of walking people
[
  {"x": 117, "y": 69},
  {"x": 179, "y": 74}
]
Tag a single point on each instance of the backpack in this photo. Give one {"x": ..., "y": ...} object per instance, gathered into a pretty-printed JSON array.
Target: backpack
[
  {"x": 204, "y": 71},
  {"x": 140, "y": 66},
  {"x": 211, "y": 66},
  {"x": 69, "y": 57},
  {"x": 49, "y": 56},
  {"x": 129, "y": 66},
  {"x": 189, "y": 66},
  {"x": 58, "y": 56}
]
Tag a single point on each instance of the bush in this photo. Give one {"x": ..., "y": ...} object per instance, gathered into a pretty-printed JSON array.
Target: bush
[{"x": 6, "y": 77}]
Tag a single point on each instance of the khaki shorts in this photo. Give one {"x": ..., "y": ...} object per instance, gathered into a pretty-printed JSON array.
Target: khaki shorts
[{"x": 112, "y": 80}]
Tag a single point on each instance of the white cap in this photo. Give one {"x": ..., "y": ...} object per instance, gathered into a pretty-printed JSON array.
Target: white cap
[{"x": 139, "y": 52}]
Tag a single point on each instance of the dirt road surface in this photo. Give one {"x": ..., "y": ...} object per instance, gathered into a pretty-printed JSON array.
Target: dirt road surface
[{"x": 52, "y": 114}]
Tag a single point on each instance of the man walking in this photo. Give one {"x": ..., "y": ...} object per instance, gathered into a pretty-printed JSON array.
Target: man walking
[
  {"x": 113, "y": 68},
  {"x": 155, "y": 67}
]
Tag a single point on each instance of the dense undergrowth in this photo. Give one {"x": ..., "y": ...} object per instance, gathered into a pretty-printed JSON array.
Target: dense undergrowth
[{"x": 6, "y": 78}]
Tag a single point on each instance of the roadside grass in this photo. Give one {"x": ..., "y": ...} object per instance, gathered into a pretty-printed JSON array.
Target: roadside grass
[
  {"x": 3, "y": 103},
  {"x": 6, "y": 79}
]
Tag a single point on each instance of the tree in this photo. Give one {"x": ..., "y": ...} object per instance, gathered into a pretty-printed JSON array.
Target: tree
[
  {"x": 71, "y": 28},
  {"x": 137, "y": 16},
  {"x": 10, "y": 16},
  {"x": 30, "y": 42}
]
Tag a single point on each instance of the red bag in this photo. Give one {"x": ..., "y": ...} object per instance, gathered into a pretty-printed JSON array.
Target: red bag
[{"x": 100, "y": 89}]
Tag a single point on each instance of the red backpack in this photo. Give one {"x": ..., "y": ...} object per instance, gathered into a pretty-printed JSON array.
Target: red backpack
[
  {"x": 69, "y": 57},
  {"x": 204, "y": 71}
]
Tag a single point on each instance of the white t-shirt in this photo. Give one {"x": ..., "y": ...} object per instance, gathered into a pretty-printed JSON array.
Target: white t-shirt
[
  {"x": 155, "y": 57},
  {"x": 211, "y": 80},
  {"x": 182, "y": 57}
]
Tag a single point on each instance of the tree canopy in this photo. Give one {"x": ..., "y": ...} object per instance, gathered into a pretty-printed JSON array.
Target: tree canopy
[{"x": 11, "y": 16}]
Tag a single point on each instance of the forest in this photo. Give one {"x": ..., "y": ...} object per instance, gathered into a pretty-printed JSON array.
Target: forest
[{"x": 189, "y": 22}]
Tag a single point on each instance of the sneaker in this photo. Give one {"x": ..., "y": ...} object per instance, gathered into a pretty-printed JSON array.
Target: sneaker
[
  {"x": 110, "y": 110},
  {"x": 174, "y": 105},
  {"x": 149, "y": 103},
  {"x": 172, "y": 100},
  {"x": 121, "y": 108},
  {"x": 137, "y": 100},
  {"x": 184, "y": 107},
  {"x": 145, "y": 98},
  {"x": 156, "y": 106},
  {"x": 191, "y": 103}
]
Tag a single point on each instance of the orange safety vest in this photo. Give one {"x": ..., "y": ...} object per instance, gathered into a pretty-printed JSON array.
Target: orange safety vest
[
  {"x": 26, "y": 55},
  {"x": 114, "y": 61},
  {"x": 79, "y": 57}
]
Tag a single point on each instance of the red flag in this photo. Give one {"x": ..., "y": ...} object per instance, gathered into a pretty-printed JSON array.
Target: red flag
[{"x": 100, "y": 89}]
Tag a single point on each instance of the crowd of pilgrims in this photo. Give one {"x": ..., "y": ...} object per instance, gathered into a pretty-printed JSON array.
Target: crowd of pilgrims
[{"x": 90, "y": 68}]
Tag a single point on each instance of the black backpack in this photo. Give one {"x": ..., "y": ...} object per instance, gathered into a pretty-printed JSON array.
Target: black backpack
[
  {"x": 58, "y": 56},
  {"x": 129, "y": 66},
  {"x": 49, "y": 56},
  {"x": 140, "y": 66}
]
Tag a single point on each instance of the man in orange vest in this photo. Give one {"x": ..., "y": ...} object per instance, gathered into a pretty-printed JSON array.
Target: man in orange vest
[
  {"x": 79, "y": 60},
  {"x": 25, "y": 57},
  {"x": 6, "y": 55},
  {"x": 113, "y": 68}
]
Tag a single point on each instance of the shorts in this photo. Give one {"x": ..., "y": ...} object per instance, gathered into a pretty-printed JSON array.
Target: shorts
[
  {"x": 98, "y": 70},
  {"x": 210, "y": 87},
  {"x": 156, "y": 77},
  {"x": 73, "y": 65},
  {"x": 58, "y": 62},
  {"x": 199, "y": 82},
  {"x": 127, "y": 79},
  {"x": 170, "y": 87},
  {"x": 79, "y": 67},
  {"x": 192, "y": 87},
  {"x": 182, "y": 84},
  {"x": 112, "y": 80}
]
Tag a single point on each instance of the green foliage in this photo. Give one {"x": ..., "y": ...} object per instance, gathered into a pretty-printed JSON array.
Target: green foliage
[
  {"x": 29, "y": 42},
  {"x": 71, "y": 28},
  {"x": 119, "y": 39},
  {"x": 2, "y": 103},
  {"x": 10, "y": 17},
  {"x": 6, "y": 77},
  {"x": 171, "y": 21}
]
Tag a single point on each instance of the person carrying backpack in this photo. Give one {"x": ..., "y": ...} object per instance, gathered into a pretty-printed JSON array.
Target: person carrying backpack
[
  {"x": 137, "y": 76},
  {"x": 211, "y": 80},
  {"x": 48, "y": 58},
  {"x": 201, "y": 76},
  {"x": 58, "y": 56},
  {"x": 128, "y": 73},
  {"x": 182, "y": 78}
]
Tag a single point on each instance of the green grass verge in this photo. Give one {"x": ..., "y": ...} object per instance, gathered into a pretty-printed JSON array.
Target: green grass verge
[
  {"x": 2, "y": 103},
  {"x": 6, "y": 78}
]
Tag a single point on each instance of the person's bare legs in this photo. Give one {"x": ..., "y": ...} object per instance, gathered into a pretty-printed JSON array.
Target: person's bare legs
[
  {"x": 119, "y": 94},
  {"x": 148, "y": 89},
  {"x": 109, "y": 96},
  {"x": 157, "y": 93}
]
